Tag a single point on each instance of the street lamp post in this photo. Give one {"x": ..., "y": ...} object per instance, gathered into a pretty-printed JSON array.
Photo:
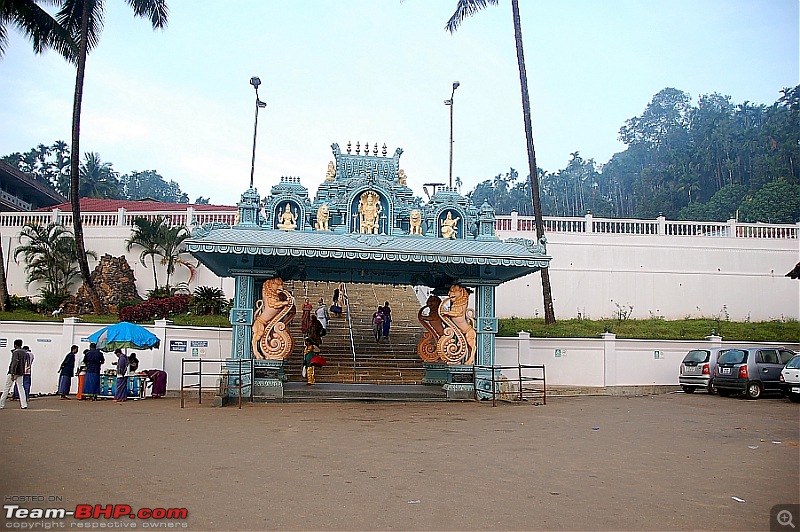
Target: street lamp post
[
  {"x": 450, "y": 104},
  {"x": 255, "y": 82}
]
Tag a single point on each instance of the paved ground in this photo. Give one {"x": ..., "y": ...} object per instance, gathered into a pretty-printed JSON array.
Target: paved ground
[{"x": 583, "y": 463}]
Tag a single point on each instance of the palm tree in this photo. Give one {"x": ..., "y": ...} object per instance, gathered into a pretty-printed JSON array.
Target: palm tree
[
  {"x": 171, "y": 247},
  {"x": 84, "y": 20},
  {"x": 50, "y": 256},
  {"x": 38, "y": 25},
  {"x": 145, "y": 234},
  {"x": 98, "y": 179},
  {"x": 4, "y": 300},
  {"x": 467, "y": 8}
]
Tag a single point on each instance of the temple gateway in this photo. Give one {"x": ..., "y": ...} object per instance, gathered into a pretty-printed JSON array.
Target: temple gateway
[{"x": 365, "y": 226}]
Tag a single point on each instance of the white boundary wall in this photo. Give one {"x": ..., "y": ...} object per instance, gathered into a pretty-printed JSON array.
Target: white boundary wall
[
  {"x": 659, "y": 267},
  {"x": 582, "y": 362}
]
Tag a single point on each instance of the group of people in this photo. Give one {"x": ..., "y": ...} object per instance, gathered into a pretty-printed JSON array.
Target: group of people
[
  {"x": 18, "y": 380},
  {"x": 381, "y": 321},
  {"x": 314, "y": 326}
]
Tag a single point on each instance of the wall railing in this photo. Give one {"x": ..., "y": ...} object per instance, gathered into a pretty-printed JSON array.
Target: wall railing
[
  {"x": 507, "y": 223},
  {"x": 660, "y": 226}
]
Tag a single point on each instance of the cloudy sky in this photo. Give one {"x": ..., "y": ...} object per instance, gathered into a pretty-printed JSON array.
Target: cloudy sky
[{"x": 180, "y": 102}]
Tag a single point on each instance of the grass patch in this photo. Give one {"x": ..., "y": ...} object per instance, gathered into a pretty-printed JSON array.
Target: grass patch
[{"x": 657, "y": 329}]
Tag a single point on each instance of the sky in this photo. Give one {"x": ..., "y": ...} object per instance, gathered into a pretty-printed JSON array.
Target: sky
[{"x": 179, "y": 101}]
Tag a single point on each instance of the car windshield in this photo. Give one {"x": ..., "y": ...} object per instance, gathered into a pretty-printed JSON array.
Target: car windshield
[
  {"x": 734, "y": 356},
  {"x": 794, "y": 363},
  {"x": 698, "y": 355}
]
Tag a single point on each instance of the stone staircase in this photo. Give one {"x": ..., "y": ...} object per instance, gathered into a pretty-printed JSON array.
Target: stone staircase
[{"x": 392, "y": 361}]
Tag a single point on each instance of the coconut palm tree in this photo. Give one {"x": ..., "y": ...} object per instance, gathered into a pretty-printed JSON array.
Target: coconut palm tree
[
  {"x": 170, "y": 243},
  {"x": 84, "y": 20},
  {"x": 98, "y": 178},
  {"x": 4, "y": 299},
  {"x": 145, "y": 234},
  {"x": 465, "y": 9},
  {"x": 38, "y": 25}
]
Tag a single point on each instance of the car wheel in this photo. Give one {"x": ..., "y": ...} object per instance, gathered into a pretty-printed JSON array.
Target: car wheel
[
  {"x": 712, "y": 389},
  {"x": 724, "y": 393},
  {"x": 753, "y": 391},
  {"x": 793, "y": 397},
  {"x": 688, "y": 389}
]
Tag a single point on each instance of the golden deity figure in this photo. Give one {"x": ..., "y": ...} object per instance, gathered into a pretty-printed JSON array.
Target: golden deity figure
[
  {"x": 401, "y": 177},
  {"x": 274, "y": 311},
  {"x": 450, "y": 226},
  {"x": 330, "y": 175},
  {"x": 369, "y": 210},
  {"x": 323, "y": 215},
  {"x": 288, "y": 219},
  {"x": 458, "y": 342},
  {"x": 415, "y": 222},
  {"x": 429, "y": 317}
]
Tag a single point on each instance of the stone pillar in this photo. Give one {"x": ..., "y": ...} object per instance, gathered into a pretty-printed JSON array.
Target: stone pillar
[
  {"x": 241, "y": 319},
  {"x": 486, "y": 330},
  {"x": 609, "y": 359}
]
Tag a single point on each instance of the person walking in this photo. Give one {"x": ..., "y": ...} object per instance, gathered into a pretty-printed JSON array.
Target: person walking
[
  {"x": 15, "y": 370},
  {"x": 322, "y": 314},
  {"x": 65, "y": 373},
  {"x": 121, "y": 389},
  {"x": 305, "y": 322},
  {"x": 377, "y": 324},
  {"x": 387, "y": 319},
  {"x": 94, "y": 360},
  {"x": 315, "y": 331},
  {"x": 26, "y": 377},
  {"x": 310, "y": 351}
]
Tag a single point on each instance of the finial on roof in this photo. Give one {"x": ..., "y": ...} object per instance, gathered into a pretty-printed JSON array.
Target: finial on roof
[
  {"x": 384, "y": 149},
  {"x": 375, "y": 150},
  {"x": 358, "y": 148},
  {"x": 349, "y": 145}
]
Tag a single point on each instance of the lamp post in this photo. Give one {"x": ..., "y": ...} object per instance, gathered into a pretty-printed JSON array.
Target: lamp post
[
  {"x": 255, "y": 82},
  {"x": 450, "y": 104}
]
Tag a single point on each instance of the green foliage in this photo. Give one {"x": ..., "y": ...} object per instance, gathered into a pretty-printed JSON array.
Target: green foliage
[
  {"x": 50, "y": 300},
  {"x": 22, "y": 303},
  {"x": 776, "y": 202},
  {"x": 657, "y": 329},
  {"x": 98, "y": 178},
  {"x": 208, "y": 300},
  {"x": 50, "y": 255}
]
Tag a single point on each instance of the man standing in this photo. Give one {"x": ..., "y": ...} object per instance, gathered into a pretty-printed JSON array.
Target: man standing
[
  {"x": 94, "y": 360},
  {"x": 121, "y": 391},
  {"x": 15, "y": 370}
]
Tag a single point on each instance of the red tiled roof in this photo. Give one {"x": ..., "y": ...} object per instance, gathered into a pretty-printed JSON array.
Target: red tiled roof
[{"x": 108, "y": 205}]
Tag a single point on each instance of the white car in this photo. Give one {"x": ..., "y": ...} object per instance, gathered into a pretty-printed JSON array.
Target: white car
[{"x": 790, "y": 379}]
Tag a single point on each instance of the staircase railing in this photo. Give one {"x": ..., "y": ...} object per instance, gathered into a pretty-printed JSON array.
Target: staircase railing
[{"x": 349, "y": 327}]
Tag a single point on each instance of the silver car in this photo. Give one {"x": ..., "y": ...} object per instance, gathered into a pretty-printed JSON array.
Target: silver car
[
  {"x": 697, "y": 369},
  {"x": 751, "y": 371},
  {"x": 790, "y": 379}
]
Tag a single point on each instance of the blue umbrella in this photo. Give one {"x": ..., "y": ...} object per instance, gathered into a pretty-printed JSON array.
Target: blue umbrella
[{"x": 124, "y": 335}]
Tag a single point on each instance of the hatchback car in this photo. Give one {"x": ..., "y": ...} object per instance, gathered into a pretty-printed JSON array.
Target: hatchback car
[
  {"x": 790, "y": 379},
  {"x": 697, "y": 369},
  {"x": 751, "y": 371}
]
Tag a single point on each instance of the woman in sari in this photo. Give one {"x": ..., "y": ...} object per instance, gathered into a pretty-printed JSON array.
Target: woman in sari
[
  {"x": 306, "y": 320},
  {"x": 159, "y": 379},
  {"x": 121, "y": 390}
]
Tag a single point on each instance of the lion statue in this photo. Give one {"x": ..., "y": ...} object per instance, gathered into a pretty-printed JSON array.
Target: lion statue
[
  {"x": 415, "y": 222},
  {"x": 323, "y": 215},
  {"x": 274, "y": 311},
  {"x": 459, "y": 340}
]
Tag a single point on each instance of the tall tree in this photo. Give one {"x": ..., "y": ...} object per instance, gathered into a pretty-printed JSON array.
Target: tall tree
[
  {"x": 37, "y": 24},
  {"x": 98, "y": 178},
  {"x": 145, "y": 234},
  {"x": 84, "y": 20},
  {"x": 465, "y": 9}
]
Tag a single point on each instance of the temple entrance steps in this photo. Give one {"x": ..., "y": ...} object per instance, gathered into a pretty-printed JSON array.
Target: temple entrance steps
[{"x": 393, "y": 360}]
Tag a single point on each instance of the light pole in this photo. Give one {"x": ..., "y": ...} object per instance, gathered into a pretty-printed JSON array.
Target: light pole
[
  {"x": 255, "y": 82},
  {"x": 450, "y": 104}
]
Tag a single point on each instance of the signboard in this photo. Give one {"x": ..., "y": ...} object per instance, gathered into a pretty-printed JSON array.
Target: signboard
[
  {"x": 178, "y": 346},
  {"x": 657, "y": 355},
  {"x": 560, "y": 353},
  {"x": 198, "y": 343}
]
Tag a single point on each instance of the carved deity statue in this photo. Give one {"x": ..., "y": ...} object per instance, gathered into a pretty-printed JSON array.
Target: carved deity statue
[
  {"x": 457, "y": 343},
  {"x": 450, "y": 226},
  {"x": 415, "y": 222},
  {"x": 274, "y": 311},
  {"x": 401, "y": 177},
  {"x": 330, "y": 175},
  {"x": 369, "y": 211},
  {"x": 323, "y": 215},
  {"x": 288, "y": 219},
  {"x": 429, "y": 317}
]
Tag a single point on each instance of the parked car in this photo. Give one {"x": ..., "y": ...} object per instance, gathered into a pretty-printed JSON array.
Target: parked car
[
  {"x": 697, "y": 369},
  {"x": 790, "y": 378},
  {"x": 751, "y": 371}
]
